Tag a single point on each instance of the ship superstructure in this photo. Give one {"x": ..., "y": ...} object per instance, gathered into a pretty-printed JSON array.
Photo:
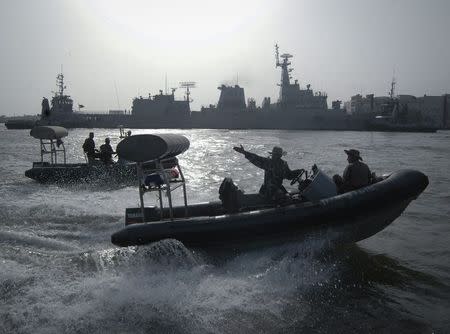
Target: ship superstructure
[
  {"x": 291, "y": 96},
  {"x": 61, "y": 103},
  {"x": 231, "y": 98},
  {"x": 160, "y": 106}
]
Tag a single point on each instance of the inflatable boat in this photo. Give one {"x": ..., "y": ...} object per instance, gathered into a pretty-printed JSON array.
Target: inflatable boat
[
  {"x": 315, "y": 208},
  {"x": 53, "y": 166}
]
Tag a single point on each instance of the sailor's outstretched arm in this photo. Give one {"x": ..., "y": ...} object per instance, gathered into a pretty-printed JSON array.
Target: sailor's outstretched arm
[
  {"x": 255, "y": 159},
  {"x": 239, "y": 149}
]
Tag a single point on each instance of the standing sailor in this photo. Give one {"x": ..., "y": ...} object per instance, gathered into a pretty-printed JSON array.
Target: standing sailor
[
  {"x": 89, "y": 148},
  {"x": 106, "y": 152},
  {"x": 45, "y": 112},
  {"x": 275, "y": 171}
]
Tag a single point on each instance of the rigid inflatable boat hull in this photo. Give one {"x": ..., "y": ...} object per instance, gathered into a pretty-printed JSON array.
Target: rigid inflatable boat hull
[
  {"x": 76, "y": 173},
  {"x": 344, "y": 218},
  {"x": 82, "y": 172}
]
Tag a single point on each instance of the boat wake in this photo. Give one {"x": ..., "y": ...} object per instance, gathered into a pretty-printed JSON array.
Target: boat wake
[{"x": 164, "y": 287}]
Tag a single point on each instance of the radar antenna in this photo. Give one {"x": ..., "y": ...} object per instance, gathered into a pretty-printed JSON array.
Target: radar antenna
[
  {"x": 285, "y": 57},
  {"x": 188, "y": 85}
]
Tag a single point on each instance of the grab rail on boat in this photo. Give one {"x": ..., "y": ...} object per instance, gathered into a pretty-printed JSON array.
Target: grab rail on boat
[{"x": 165, "y": 186}]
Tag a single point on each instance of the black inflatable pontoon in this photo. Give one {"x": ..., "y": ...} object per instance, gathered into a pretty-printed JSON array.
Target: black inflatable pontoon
[{"x": 349, "y": 217}]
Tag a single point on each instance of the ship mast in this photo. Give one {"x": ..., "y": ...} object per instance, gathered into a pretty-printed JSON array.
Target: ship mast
[
  {"x": 60, "y": 84},
  {"x": 392, "y": 91},
  {"x": 285, "y": 76},
  {"x": 285, "y": 70}
]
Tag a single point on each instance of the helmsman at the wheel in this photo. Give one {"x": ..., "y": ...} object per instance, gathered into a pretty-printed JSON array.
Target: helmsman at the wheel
[{"x": 275, "y": 171}]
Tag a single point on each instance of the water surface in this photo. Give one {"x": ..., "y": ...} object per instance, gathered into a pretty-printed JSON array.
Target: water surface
[{"x": 60, "y": 273}]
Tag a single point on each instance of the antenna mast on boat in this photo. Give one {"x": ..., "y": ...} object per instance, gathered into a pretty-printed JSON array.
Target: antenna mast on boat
[{"x": 187, "y": 85}]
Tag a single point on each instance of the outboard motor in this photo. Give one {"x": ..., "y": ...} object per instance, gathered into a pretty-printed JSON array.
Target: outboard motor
[{"x": 229, "y": 195}]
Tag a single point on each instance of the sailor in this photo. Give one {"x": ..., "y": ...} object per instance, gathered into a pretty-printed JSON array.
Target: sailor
[
  {"x": 128, "y": 133},
  {"x": 106, "y": 152},
  {"x": 356, "y": 175},
  {"x": 45, "y": 112},
  {"x": 275, "y": 171},
  {"x": 89, "y": 148}
]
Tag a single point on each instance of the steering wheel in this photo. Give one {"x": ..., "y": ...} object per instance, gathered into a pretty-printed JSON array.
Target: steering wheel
[{"x": 298, "y": 177}]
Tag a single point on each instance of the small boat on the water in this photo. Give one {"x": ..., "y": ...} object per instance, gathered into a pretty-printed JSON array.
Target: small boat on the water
[
  {"x": 57, "y": 170},
  {"x": 241, "y": 219}
]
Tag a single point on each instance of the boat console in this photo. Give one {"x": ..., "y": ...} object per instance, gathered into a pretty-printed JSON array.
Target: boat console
[{"x": 315, "y": 185}]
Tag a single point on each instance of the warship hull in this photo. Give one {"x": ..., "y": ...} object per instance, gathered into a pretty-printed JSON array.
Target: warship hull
[
  {"x": 393, "y": 127},
  {"x": 282, "y": 119},
  {"x": 273, "y": 120},
  {"x": 20, "y": 124}
]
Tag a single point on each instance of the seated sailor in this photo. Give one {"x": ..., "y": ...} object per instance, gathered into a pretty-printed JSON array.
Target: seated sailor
[
  {"x": 106, "y": 152},
  {"x": 356, "y": 175},
  {"x": 275, "y": 171}
]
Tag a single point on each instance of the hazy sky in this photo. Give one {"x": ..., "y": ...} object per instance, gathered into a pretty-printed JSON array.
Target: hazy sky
[{"x": 341, "y": 47}]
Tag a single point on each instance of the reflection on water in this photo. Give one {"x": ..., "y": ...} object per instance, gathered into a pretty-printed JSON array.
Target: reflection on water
[{"x": 59, "y": 272}]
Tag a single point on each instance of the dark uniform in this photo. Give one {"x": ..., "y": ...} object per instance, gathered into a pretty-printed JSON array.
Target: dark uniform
[
  {"x": 356, "y": 175},
  {"x": 45, "y": 107},
  {"x": 275, "y": 171},
  {"x": 106, "y": 153},
  {"x": 89, "y": 149}
]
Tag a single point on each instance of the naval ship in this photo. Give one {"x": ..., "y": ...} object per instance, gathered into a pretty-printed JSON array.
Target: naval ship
[
  {"x": 296, "y": 108},
  {"x": 394, "y": 116},
  {"x": 62, "y": 113}
]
